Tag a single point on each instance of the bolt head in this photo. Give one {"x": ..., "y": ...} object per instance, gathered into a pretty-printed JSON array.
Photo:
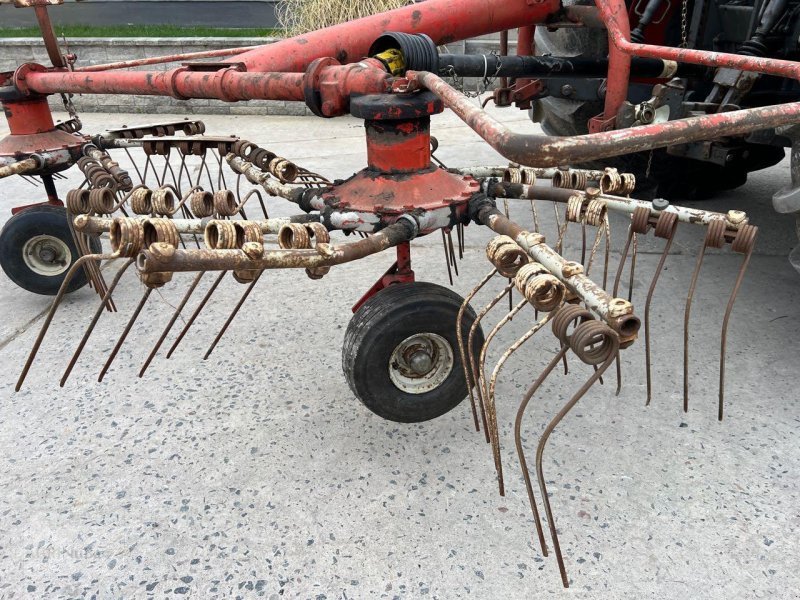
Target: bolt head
[{"x": 660, "y": 203}]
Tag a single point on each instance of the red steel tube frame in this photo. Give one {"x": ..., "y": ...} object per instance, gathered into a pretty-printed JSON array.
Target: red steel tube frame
[
  {"x": 446, "y": 21},
  {"x": 614, "y": 14},
  {"x": 225, "y": 84},
  {"x": 543, "y": 151}
]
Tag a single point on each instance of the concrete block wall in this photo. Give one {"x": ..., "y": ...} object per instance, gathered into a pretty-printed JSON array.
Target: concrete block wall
[{"x": 90, "y": 51}]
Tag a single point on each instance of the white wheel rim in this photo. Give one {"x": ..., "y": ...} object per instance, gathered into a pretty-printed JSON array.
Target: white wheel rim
[
  {"x": 46, "y": 255},
  {"x": 421, "y": 363}
]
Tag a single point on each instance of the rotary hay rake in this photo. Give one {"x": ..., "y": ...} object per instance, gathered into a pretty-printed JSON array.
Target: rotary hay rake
[{"x": 172, "y": 199}]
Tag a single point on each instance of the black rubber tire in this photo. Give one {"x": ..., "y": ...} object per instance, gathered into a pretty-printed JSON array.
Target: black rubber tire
[
  {"x": 45, "y": 219},
  {"x": 380, "y": 325},
  {"x": 670, "y": 177}
]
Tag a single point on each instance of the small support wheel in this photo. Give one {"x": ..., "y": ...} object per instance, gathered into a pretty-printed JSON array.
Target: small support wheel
[
  {"x": 37, "y": 250},
  {"x": 400, "y": 353}
]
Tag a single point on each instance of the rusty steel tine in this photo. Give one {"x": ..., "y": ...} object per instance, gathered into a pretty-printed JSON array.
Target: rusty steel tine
[
  {"x": 473, "y": 363},
  {"x": 462, "y": 350},
  {"x": 446, "y": 257},
  {"x": 494, "y": 435},
  {"x": 135, "y": 166},
  {"x": 540, "y": 453},
  {"x": 650, "y": 292},
  {"x": 535, "y": 216},
  {"x": 583, "y": 241},
  {"x": 558, "y": 218},
  {"x": 510, "y": 279},
  {"x": 124, "y": 334},
  {"x": 93, "y": 323},
  {"x": 607, "y": 256},
  {"x": 196, "y": 312},
  {"x": 595, "y": 247},
  {"x": 221, "y": 172},
  {"x": 452, "y": 252},
  {"x": 147, "y": 164},
  {"x": 619, "y": 375},
  {"x": 633, "y": 267},
  {"x": 172, "y": 320},
  {"x": 90, "y": 268},
  {"x": 686, "y": 316},
  {"x": 523, "y": 463},
  {"x": 751, "y": 243},
  {"x": 78, "y": 264},
  {"x": 233, "y": 314},
  {"x": 513, "y": 348},
  {"x": 622, "y": 260}
]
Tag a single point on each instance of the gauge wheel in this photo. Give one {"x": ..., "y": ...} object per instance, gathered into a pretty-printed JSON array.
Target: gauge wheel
[
  {"x": 37, "y": 250},
  {"x": 401, "y": 356}
]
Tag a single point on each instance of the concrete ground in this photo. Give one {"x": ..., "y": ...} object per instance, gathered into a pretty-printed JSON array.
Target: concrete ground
[{"x": 257, "y": 472}]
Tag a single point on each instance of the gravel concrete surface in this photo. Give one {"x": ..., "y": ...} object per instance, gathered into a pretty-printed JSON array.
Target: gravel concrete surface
[{"x": 258, "y": 473}]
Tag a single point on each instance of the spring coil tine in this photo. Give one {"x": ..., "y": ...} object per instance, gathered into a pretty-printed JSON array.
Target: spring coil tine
[
  {"x": 593, "y": 342},
  {"x": 506, "y": 255},
  {"x": 584, "y": 332},
  {"x": 283, "y": 169},
  {"x": 78, "y": 201},
  {"x": 126, "y": 236},
  {"x": 528, "y": 176},
  {"x": 142, "y": 200},
  {"x": 578, "y": 179},
  {"x": 512, "y": 175},
  {"x": 640, "y": 220},
  {"x": 220, "y": 235},
  {"x": 666, "y": 226},
  {"x": 320, "y": 235},
  {"x": 225, "y": 203},
  {"x": 561, "y": 179},
  {"x": 575, "y": 206},
  {"x": 201, "y": 204},
  {"x": 611, "y": 181},
  {"x": 628, "y": 184},
  {"x": 163, "y": 202},
  {"x": 596, "y": 211},
  {"x": 158, "y": 230},
  {"x": 294, "y": 236},
  {"x": 87, "y": 334},
  {"x": 468, "y": 372},
  {"x": 714, "y": 238},
  {"x": 743, "y": 243},
  {"x": 102, "y": 201}
]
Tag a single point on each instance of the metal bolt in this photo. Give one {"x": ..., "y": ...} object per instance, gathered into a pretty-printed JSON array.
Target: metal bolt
[
  {"x": 736, "y": 216},
  {"x": 567, "y": 90},
  {"x": 660, "y": 204}
]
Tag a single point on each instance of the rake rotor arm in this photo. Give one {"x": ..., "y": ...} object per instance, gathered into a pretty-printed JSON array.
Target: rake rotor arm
[
  {"x": 161, "y": 258},
  {"x": 617, "y": 312},
  {"x": 19, "y": 168},
  {"x": 541, "y": 151}
]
